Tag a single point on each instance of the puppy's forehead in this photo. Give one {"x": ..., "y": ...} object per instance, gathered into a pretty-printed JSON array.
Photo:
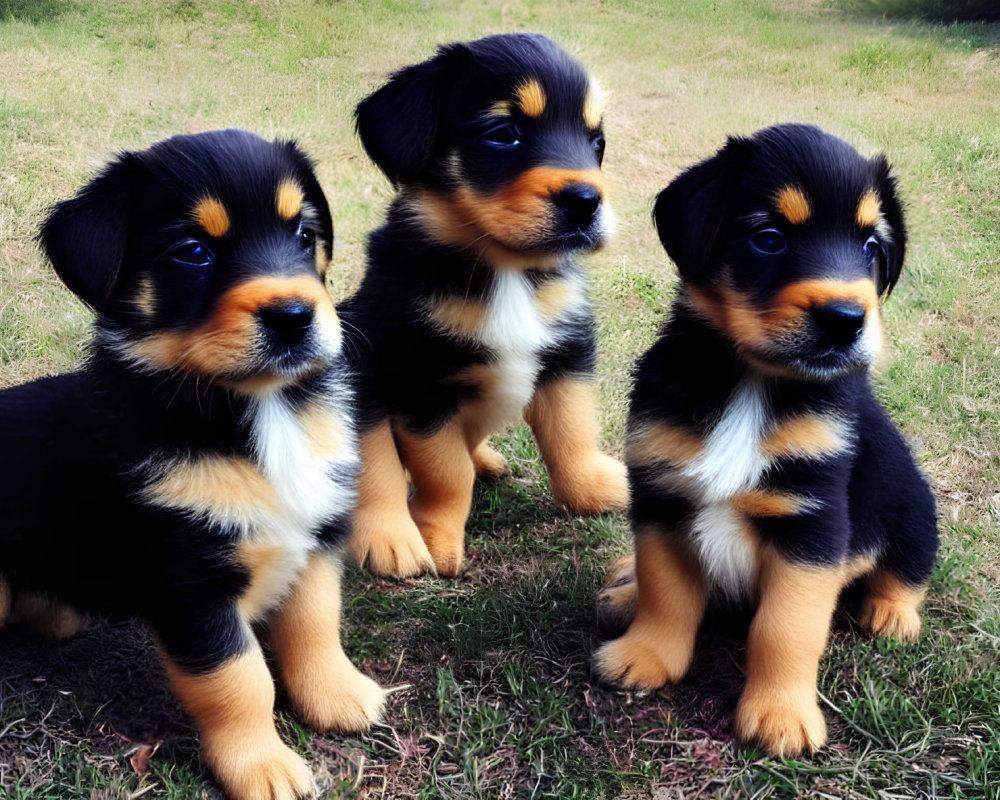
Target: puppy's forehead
[{"x": 819, "y": 180}]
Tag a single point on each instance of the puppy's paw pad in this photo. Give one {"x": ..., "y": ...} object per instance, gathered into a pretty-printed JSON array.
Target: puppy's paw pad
[{"x": 783, "y": 726}]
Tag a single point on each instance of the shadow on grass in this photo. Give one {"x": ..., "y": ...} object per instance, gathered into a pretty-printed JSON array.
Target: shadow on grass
[{"x": 33, "y": 12}]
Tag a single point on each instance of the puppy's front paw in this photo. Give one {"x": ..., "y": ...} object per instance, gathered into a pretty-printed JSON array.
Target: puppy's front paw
[
  {"x": 785, "y": 724},
  {"x": 261, "y": 769},
  {"x": 446, "y": 546},
  {"x": 389, "y": 544},
  {"x": 642, "y": 660},
  {"x": 594, "y": 486},
  {"x": 336, "y": 696},
  {"x": 488, "y": 462}
]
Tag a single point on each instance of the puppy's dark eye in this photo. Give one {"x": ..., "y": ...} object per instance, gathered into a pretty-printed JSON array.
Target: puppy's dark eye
[
  {"x": 307, "y": 237},
  {"x": 193, "y": 254},
  {"x": 504, "y": 136},
  {"x": 597, "y": 142},
  {"x": 873, "y": 247},
  {"x": 769, "y": 241}
]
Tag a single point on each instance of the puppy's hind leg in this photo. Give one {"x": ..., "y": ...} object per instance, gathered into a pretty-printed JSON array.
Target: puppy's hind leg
[{"x": 892, "y": 606}]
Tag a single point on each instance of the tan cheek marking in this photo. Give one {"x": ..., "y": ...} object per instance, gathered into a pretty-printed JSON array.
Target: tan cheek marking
[
  {"x": 869, "y": 210},
  {"x": 661, "y": 441},
  {"x": 531, "y": 98},
  {"x": 457, "y": 315},
  {"x": 212, "y": 216},
  {"x": 144, "y": 297},
  {"x": 805, "y": 437},
  {"x": 288, "y": 199},
  {"x": 224, "y": 343},
  {"x": 554, "y": 297},
  {"x": 322, "y": 259},
  {"x": 793, "y": 205},
  {"x": 326, "y": 431},
  {"x": 594, "y": 105}
]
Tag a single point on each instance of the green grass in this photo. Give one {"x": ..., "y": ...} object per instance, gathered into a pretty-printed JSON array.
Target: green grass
[{"x": 497, "y": 699}]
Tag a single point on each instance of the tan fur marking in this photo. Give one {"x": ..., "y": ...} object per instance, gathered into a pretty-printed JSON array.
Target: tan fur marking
[
  {"x": 322, "y": 259},
  {"x": 531, "y": 98},
  {"x": 144, "y": 297},
  {"x": 44, "y": 616},
  {"x": 225, "y": 488},
  {"x": 488, "y": 462},
  {"x": 594, "y": 105},
  {"x": 326, "y": 689},
  {"x": 778, "y": 708},
  {"x": 555, "y": 297},
  {"x": 232, "y": 707},
  {"x": 288, "y": 199},
  {"x": 563, "y": 417},
  {"x": 892, "y": 607},
  {"x": 443, "y": 475},
  {"x": 760, "y": 503},
  {"x": 325, "y": 429},
  {"x": 223, "y": 344},
  {"x": 212, "y": 216},
  {"x": 672, "y": 593},
  {"x": 869, "y": 210},
  {"x": 618, "y": 600},
  {"x": 807, "y": 436},
  {"x": 793, "y": 205},
  {"x": 457, "y": 315},
  {"x": 270, "y": 576},
  {"x": 661, "y": 441},
  {"x": 500, "y": 109},
  {"x": 755, "y": 328},
  {"x": 384, "y": 537}
]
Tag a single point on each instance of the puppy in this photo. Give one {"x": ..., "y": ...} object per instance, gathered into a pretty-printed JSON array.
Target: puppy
[
  {"x": 473, "y": 303},
  {"x": 763, "y": 470},
  {"x": 207, "y": 447}
]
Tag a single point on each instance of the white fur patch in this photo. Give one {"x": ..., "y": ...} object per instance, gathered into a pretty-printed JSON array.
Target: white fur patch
[{"x": 729, "y": 463}]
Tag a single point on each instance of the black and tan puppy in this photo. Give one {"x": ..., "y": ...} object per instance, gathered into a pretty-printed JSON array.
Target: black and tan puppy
[
  {"x": 200, "y": 471},
  {"x": 762, "y": 468},
  {"x": 473, "y": 303}
]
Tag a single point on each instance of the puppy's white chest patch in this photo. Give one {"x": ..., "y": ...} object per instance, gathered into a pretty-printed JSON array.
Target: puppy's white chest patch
[
  {"x": 514, "y": 330},
  {"x": 731, "y": 462}
]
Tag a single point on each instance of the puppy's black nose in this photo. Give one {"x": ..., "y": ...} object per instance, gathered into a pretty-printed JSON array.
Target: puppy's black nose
[
  {"x": 841, "y": 320},
  {"x": 287, "y": 320},
  {"x": 579, "y": 202}
]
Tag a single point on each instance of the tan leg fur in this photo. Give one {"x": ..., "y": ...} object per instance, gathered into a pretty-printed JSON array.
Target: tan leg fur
[
  {"x": 779, "y": 708},
  {"x": 892, "y": 607},
  {"x": 488, "y": 462},
  {"x": 233, "y": 709},
  {"x": 618, "y": 601},
  {"x": 326, "y": 689},
  {"x": 659, "y": 644},
  {"x": 443, "y": 475},
  {"x": 563, "y": 417},
  {"x": 384, "y": 536}
]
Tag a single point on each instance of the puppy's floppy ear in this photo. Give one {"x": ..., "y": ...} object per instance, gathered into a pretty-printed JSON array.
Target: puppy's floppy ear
[
  {"x": 689, "y": 212},
  {"x": 84, "y": 237},
  {"x": 398, "y": 123},
  {"x": 892, "y": 214}
]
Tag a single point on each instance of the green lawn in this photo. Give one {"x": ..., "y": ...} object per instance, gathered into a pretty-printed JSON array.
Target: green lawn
[{"x": 497, "y": 698}]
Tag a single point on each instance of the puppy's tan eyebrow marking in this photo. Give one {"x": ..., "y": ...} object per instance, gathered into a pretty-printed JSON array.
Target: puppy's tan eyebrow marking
[
  {"x": 531, "y": 98},
  {"x": 499, "y": 110},
  {"x": 793, "y": 204},
  {"x": 212, "y": 216},
  {"x": 593, "y": 105},
  {"x": 869, "y": 210},
  {"x": 288, "y": 199}
]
